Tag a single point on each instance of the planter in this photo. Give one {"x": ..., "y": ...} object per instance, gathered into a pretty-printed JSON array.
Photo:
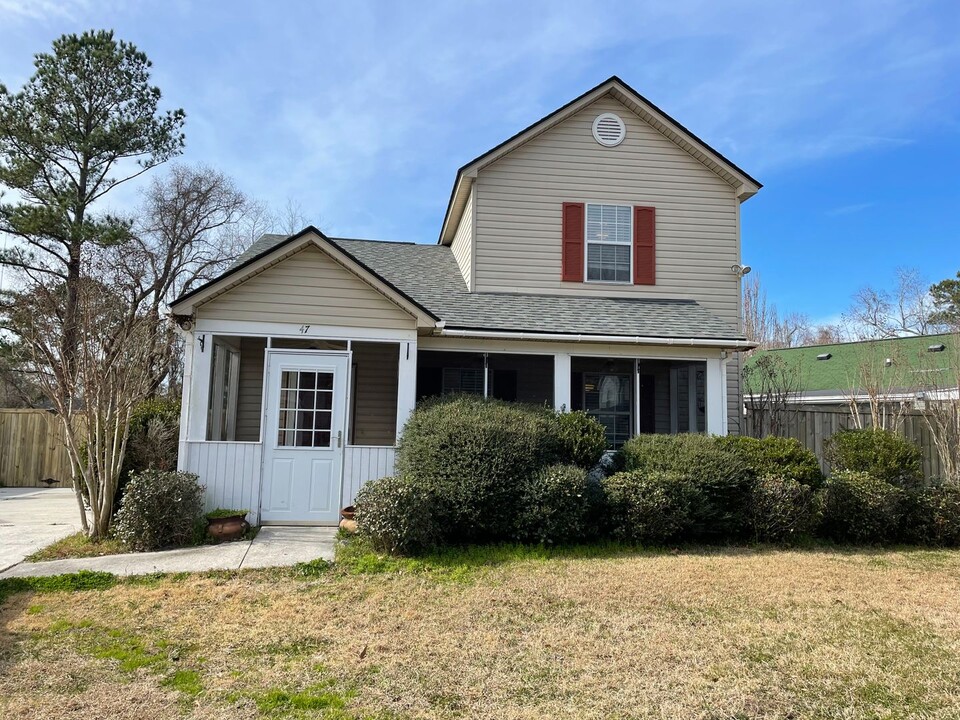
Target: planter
[
  {"x": 348, "y": 512},
  {"x": 227, "y": 528}
]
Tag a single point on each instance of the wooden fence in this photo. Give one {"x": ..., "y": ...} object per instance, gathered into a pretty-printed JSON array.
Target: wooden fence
[
  {"x": 813, "y": 425},
  {"x": 32, "y": 449}
]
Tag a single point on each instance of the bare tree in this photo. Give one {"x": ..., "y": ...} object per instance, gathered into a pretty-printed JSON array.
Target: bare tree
[
  {"x": 763, "y": 323},
  {"x": 772, "y": 388},
  {"x": 876, "y": 383},
  {"x": 908, "y": 309},
  {"x": 941, "y": 405},
  {"x": 110, "y": 372}
]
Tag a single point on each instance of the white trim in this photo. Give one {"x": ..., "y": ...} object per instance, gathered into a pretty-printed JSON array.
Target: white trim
[
  {"x": 406, "y": 384},
  {"x": 562, "y": 373},
  {"x": 254, "y": 328},
  {"x": 587, "y": 243},
  {"x": 716, "y": 410},
  {"x": 612, "y": 339}
]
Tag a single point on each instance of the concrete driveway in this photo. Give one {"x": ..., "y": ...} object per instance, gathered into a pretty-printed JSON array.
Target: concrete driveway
[{"x": 32, "y": 518}]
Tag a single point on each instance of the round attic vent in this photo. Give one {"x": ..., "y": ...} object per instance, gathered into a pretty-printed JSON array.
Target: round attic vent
[{"x": 609, "y": 130}]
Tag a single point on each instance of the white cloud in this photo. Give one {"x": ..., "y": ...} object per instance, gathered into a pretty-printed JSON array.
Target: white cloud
[{"x": 849, "y": 209}]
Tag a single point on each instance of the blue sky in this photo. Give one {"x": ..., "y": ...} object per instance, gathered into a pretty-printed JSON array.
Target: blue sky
[{"x": 361, "y": 112}]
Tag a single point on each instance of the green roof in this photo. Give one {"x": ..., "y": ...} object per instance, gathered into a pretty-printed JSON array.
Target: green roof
[{"x": 903, "y": 363}]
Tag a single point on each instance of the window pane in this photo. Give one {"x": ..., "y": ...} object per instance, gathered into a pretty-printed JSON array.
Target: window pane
[
  {"x": 308, "y": 380},
  {"x": 324, "y": 381},
  {"x": 609, "y": 243},
  {"x": 324, "y": 400}
]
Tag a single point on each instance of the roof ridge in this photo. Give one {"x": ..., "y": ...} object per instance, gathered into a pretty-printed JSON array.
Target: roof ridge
[{"x": 864, "y": 342}]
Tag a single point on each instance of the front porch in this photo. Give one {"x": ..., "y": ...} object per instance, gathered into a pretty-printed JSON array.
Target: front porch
[{"x": 291, "y": 427}]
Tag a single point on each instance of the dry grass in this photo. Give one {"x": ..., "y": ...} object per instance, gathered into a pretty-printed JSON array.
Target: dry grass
[
  {"x": 730, "y": 633},
  {"x": 78, "y": 545}
]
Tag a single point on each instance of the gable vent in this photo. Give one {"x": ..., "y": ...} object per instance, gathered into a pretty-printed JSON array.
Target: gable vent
[{"x": 609, "y": 130}]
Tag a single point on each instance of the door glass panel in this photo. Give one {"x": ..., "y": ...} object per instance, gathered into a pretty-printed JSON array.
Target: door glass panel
[{"x": 306, "y": 409}]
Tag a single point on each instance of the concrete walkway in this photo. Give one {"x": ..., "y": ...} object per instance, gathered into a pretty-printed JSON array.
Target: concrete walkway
[
  {"x": 272, "y": 547},
  {"x": 32, "y": 518}
]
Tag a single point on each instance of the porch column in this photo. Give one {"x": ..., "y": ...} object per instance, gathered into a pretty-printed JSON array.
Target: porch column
[
  {"x": 406, "y": 383},
  {"x": 716, "y": 408},
  {"x": 561, "y": 382},
  {"x": 185, "y": 395},
  {"x": 199, "y": 394}
]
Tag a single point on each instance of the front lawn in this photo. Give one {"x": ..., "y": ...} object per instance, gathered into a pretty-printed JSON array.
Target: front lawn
[{"x": 500, "y": 633}]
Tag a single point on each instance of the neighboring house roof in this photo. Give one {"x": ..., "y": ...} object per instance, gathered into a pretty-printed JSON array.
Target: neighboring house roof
[
  {"x": 745, "y": 185},
  {"x": 912, "y": 367},
  {"x": 428, "y": 276}
]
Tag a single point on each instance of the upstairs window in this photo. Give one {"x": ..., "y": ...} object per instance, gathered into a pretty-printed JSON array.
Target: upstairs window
[{"x": 609, "y": 240}]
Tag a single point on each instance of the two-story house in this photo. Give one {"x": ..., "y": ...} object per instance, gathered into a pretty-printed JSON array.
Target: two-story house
[{"x": 590, "y": 262}]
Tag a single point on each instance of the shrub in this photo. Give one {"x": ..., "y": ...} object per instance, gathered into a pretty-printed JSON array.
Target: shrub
[
  {"x": 883, "y": 454},
  {"x": 931, "y": 516},
  {"x": 722, "y": 478},
  {"x": 581, "y": 439},
  {"x": 860, "y": 508},
  {"x": 772, "y": 455},
  {"x": 555, "y": 505},
  {"x": 160, "y": 509},
  {"x": 472, "y": 456},
  {"x": 153, "y": 440},
  {"x": 781, "y": 509},
  {"x": 649, "y": 506},
  {"x": 397, "y": 516}
]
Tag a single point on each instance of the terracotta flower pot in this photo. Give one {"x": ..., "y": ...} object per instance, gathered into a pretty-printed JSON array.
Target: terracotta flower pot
[
  {"x": 227, "y": 528},
  {"x": 348, "y": 512}
]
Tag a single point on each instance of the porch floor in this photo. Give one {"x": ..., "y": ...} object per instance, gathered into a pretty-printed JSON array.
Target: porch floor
[{"x": 274, "y": 546}]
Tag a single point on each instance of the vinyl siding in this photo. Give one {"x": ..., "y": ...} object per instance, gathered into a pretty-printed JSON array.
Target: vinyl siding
[
  {"x": 518, "y": 224},
  {"x": 308, "y": 287},
  {"x": 462, "y": 242},
  {"x": 250, "y": 388},
  {"x": 518, "y": 212},
  {"x": 376, "y": 368}
]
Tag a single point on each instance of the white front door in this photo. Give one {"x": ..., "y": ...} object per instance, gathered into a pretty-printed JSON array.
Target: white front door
[{"x": 306, "y": 395}]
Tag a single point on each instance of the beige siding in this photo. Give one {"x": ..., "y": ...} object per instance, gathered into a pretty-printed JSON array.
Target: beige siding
[
  {"x": 250, "y": 388},
  {"x": 462, "y": 242},
  {"x": 308, "y": 287},
  {"x": 518, "y": 208},
  {"x": 734, "y": 401},
  {"x": 375, "y": 368}
]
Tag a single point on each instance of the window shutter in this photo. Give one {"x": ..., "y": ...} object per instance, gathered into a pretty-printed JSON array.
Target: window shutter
[
  {"x": 572, "y": 261},
  {"x": 644, "y": 245}
]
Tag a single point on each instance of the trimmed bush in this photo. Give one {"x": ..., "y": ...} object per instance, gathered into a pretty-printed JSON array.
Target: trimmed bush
[
  {"x": 556, "y": 504},
  {"x": 782, "y": 510},
  {"x": 721, "y": 476},
  {"x": 771, "y": 455},
  {"x": 153, "y": 440},
  {"x": 581, "y": 439},
  {"x": 397, "y": 516},
  {"x": 649, "y": 506},
  {"x": 160, "y": 509},
  {"x": 931, "y": 516},
  {"x": 883, "y": 454},
  {"x": 860, "y": 508},
  {"x": 473, "y": 456}
]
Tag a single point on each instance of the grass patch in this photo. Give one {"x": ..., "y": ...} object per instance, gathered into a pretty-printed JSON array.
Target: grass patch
[
  {"x": 187, "y": 682},
  {"x": 72, "y": 582},
  {"x": 279, "y": 702},
  {"x": 78, "y": 545}
]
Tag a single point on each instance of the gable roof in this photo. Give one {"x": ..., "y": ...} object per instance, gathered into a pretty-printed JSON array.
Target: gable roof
[
  {"x": 746, "y": 185},
  {"x": 912, "y": 366},
  {"x": 271, "y": 249},
  {"x": 429, "y": 276}
]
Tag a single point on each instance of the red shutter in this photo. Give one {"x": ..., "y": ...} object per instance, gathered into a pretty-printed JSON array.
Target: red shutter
[
  {"x": 644, "y": 245},
  {"x": 572, "y": 261}
]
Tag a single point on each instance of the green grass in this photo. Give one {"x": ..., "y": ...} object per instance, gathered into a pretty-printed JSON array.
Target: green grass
[
  {"x": 78, "y": 545},
  {"x": 73, "y": 582}
]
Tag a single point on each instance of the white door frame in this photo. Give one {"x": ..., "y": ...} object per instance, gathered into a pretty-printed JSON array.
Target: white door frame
[{"x": 340, "y": 362}]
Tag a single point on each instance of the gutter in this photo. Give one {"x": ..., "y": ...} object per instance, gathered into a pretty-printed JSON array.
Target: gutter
[{"x": 581, "y": 338}]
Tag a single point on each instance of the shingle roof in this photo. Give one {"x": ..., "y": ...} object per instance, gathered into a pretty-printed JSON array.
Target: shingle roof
[
  {"x": 430, "y": 276},
  {"x": 911, "y": 365}
]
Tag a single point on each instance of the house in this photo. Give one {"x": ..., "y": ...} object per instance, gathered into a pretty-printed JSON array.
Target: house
[
  {"x": 591, "y": 261},
  {"x": 907, "y": 371}
]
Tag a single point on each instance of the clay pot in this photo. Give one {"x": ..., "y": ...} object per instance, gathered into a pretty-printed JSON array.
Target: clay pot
[
  {"x": 348, "y": 512},
  {"x": 349, "y": 526},
  {"x": 227, "y": 528}
]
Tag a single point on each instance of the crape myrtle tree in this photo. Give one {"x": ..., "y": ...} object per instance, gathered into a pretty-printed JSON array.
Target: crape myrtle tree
[{"x": 87, "y": 121}]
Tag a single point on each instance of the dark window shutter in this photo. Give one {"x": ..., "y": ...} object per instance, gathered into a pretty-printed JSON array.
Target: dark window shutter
[
  {"x": 644, "y": 245},
  {"x": 572, "y": 261}
]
